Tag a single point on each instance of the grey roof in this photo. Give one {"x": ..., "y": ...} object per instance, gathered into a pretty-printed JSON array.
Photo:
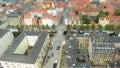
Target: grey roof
[
  {"x": 114, "y": 39},
  {"x": 72, "y": 52},
  {"x": 32, "y": 57},
  {"x": 15, "y": 44},
  {"x": 104, "y": 46},
  {"x": 3, "y": 32},
  {"x": 32, "y": 32}
]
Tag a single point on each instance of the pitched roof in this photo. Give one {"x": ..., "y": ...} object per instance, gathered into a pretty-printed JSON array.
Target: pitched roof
[
  {"x": 27, "y": 15},
  {"x": 3, "y": 32},
  {"x": 47, "y": 16},
  {"x": 110, "y": 18}
]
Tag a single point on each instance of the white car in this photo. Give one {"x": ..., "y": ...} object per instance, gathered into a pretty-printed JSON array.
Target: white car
[{"x": 56, "y": 61}]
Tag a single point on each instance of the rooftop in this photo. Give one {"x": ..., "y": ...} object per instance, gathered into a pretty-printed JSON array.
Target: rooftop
[{"x": 3, "y": 32}]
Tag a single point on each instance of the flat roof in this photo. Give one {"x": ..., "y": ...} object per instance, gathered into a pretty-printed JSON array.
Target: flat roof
[
  {"x": 33, "y": 55},
  {"x": 73, "y": 54}
]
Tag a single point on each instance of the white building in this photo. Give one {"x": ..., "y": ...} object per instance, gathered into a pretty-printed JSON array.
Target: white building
[
  {"x": 21, "y": 55},
  {"x": 47, "y": 19},
  {"x": 52, "y": 11},
  {"x": 6, "y": 38},
  {"x": 103, "y": 21},
  {"x": 28, "y": 19},
  {"x": 48, "y": 22}
]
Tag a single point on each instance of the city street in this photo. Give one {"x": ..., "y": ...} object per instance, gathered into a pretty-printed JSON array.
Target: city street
[{"x": 57, "y": 40}]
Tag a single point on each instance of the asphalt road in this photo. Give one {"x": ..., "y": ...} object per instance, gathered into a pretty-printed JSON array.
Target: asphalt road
[{"x": 57, "y": 40}]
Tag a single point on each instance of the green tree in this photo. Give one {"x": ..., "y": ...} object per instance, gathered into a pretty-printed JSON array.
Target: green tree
[
  {"x": 67, "y": 26},
  {"x": 80, "y": 15},
  {"x": 111, "y": 27},
  {"x": 97, "y": 18},
  {"x": 85, "y": 19},
  {"x": 26, "y": 26},
  {"x": 74, "y": 27},
  {"x": 118, "y": 27},
  {"x": 87, "y": 27},
  {"x": 92, "y": 26},
  {"x": 76, "y": 12},
  {"x": 38, "y": 26},
  {"x": 106, "y": 13},
  {"x": 13, "y": 26},
  {"x": 53, "y": 26},
  {"x": 8, "y": 26},
  {"x": 3, "y": 5},
  {"x": 82, "y": 27},
  {"x": 43, "y": 27},
  {"x": 32, "y": 26},
  {"x": 107, "y": 27},
  {"x": 101, "y": 13},
  {"x": 21, "y": 27},
  {"x": 100, "y": 27},
  {"x": 18, "y": 27},
  {"x": 117, "y": 13},
  {"x": 47, "y": 27}
]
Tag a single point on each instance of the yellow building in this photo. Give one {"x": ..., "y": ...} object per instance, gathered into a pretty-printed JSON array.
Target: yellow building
[
  {"x": 101, "y": 50},
  {"x": 83, "y": 42},
  {"x": 21, "y": 55}
]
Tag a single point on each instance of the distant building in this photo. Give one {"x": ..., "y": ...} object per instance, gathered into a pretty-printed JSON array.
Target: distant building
[
  {"x": 101, "y": 50},
  {"x": 22, "y": 54},
  {"x": 110, "y": 20},
  {"x": 28, "y": 19},
  {"x": 12, "y": 1},
  {"x": 74, "y": 20},
  {"x": 6, "y": 39},
  {"x": 40, "y": 0},
  {"x": 14, "y": 19},
  {"x": 83, "y": 42},
  {"x": 77, "y": 52},
  {"x": 116, "y": 41}
]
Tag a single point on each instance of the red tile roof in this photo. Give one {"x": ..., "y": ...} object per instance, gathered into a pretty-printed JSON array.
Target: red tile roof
[
  {"x": 72, "y": 15},
  {"x": 47, "y": 16},
  {"x": 27, "y": 15},
  {"x": 41, "y": 11},
  {"x": 110, "y": 18}
]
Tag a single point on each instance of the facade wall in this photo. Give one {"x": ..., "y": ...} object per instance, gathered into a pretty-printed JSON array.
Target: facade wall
[
  {"x": 7, "y": 64},
  {"x": 47, "y": 21},
  {"x": 102, "y": 56},
  {"x": 23, "y": 46},
  {"x": 74, "y": 22},
  {"x": 5, "y": 42},
  {"x": 28, "y": 21},
  {"x": 13, "y": 21},
  {"x": 43, "y": 52},
  {"x": 92, "y": 13},
  {"x": 31, "y": 40},
  {"x": 103, "y": 22},
  {"x": 53, "y": 12}
]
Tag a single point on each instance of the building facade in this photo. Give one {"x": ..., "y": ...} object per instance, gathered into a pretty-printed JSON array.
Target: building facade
[
  {"x": 22, "y": 55},
  {"x": 6, "y": 39},
  {"x": 101, "y": 50}
]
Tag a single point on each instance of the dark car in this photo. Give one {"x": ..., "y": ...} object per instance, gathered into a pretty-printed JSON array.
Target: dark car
[
  {"x": 58, "y": 48},
  {"x": 55, "y": 65}
]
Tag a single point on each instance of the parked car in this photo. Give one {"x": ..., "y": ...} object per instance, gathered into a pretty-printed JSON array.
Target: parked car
[{"x": 58, "y": 48}]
